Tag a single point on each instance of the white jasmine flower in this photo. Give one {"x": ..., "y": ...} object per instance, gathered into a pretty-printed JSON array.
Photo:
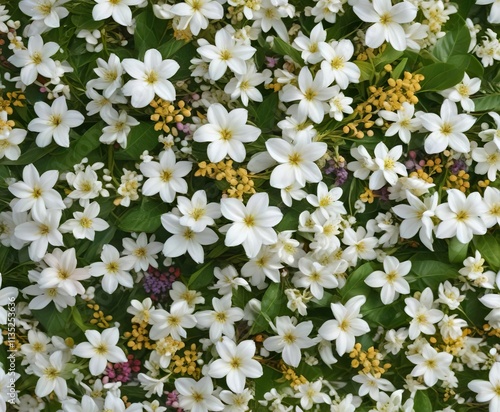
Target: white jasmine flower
[
  {"x": 311, "y": 93},
  {"x": 387, "y": 19},
  {"x": 447, "y": 129},
  {"x": 221, "y": 320},
  {"x": 150, "y": 78},
  {"x": 340, "y": 104},
  {"x": 173, "y": 323},
  {"x": 395, "y": 339},
  {"x": 492, "y": 202},
  {"x": 9, "y": 143},
  {"x": 180, "y": 292},
  {"x": 386, "y": 166},
  {"x": 346, "y": 325},
  {"x": 118, "y": 10},
  {"x": 296, "y": 162},
  {"x": 113, "y": 268},
  {"x": 431, "y": 365},
  {"x": 404, "y": 122},
  {"x": 310, "y": 394},
  {"x": 165, "y": 177},
  {"x": 140, "y": 310},
  {"x": 226, "y": 53},
  {"x": 359, "y": 245},
  {"x": 372, "y": 385},
  {"x": 226, "y": 132},
  {"x": 243, "y": 85},
  {"x": 422, "y": 313},
  {"x": 196, "y": 213},
  {"x": 461, "y": 216},
  {"x": 101, "y": 348},
  {"x": 291, "y": 339},
  {"x": 309, "y": 45},
  {"x": 54, "y": 122},
  {"x": 36, "y": 192},
  {"x": 488, "y": 160},
  {"x": 144, "y": 252},
  {"x": 227, "y": 280},
  {"x": 197, "y": 396},
  {"x": 391, "y": 279},
  {"x": 110, "y": 76},
  {"x": 252, "y": 224},
  {"x": 492, "y": 134},
  {"x": 236, "y": 363},
  {"x": 265, "y": 264},
  {"x": 336, "y": 65},
  {"x": 86, "y": 223},
  {"x": 450, "y": 327},
  {"x": 35, "y": 60},
  {"x": 463, "y": 90},
  {"x": 195, "y": 14},
  {"x": 49, "y": 372},
  {"x": 315, "y": 276},
  {"x": 449, "y": 295}
]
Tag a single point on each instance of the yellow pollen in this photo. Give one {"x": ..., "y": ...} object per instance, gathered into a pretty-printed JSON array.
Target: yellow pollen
[
  {"x": 195, "y": 4},
  {"x": 151, "y": 77},
  {"x": 86, "y": 186},
  {"x": 174, "y": 320},
  {"x": 62, "y": 274},
  {"x": 166, "y": 175},
  {"x": 197, "y": 213},
  {"x": 431, "y": 363},
  {"x": 495, "y": 210},
  {"x": 4, "y": 144},
  {"x": 249, "y": 221},
  {"x": 245, "y": 85},
  {"x": 404, "y": 123},
  {"x": 463, "y": 90},
  {"x": 422, "y": 318},
  {"x": 36, "y": 58},
  {"x": 235, "y": 363},
  {"x": 310, "y": 94},
  {"x": 197, "y": 397},
  {"x": 51, "y": 373},
  {"x": 55, "y": 120},
  {"x": 38, "y": 347},
  {"x": 110, "y": 75},
  {"x": 119, "y": 126},
  {"x": 37, "y": 192},
  {"x": 325, "y": 201},
  {"x": 385, "y": 18},
  {"x": 112, "y": 267},
  {"x": 315, "y": 277},
  {"x": 188, "y": 234},
  {"x": 101, "y": 349},
  {"x": 85, "y": 222},
  {"x": 52, "y": 292},
  {"x": 289, "y": 338},
  {"x": 45, "y": 8},
  {"x": 446, "y": 129},
  {"x": 225, "y": 55},
  {"x": 295, "y": 159},
  {"x": 141, "y": 252},
  {"x": 389, "y": 163},
  {"x": 337, "y": 63},
  {"x": 462, "y": 215},
  {"x": 391, "y": 276},
  {"x": 226, "y": 134},
  {"x": 220, "y": 317},
  {"x": 44, "y": 230},
  {"x": 344, "y": 325},
  {"x": 492, "y": 158}
]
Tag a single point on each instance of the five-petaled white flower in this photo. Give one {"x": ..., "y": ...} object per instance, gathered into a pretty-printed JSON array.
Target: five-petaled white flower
[
  {"x": 197, "y": 396},
  {"x": 488, "y": 391},
  {"x": 391, "y": 279},
  {"x": 423, "y": 314},
  {"x": 118, "y": 10},
  {"x": 431, "y": 364}
]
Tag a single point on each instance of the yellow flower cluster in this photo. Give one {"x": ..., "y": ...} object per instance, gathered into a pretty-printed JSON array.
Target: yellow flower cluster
[
  {"x": 367, "y": 196},
  {"x": 491, "y": 331},
  {"x": 167, "y": 113},
  {"x": 370, "y": 361},
  {"x": 290, "y": 375},
  {"x": 431, "y": 167},
  {"x": 186, "y": 365},
  {"x": 98, "y": 317},
  {"x": 453, "y": 346},
  {"x": 459, "y": 181},
  {"x": 138, "y": 338},
  {"x": 168, "y": 346},
  {"x": 13, "y": 99},
  {"x": 240, "y": 181},
  {"x": 389, "y": 97}
]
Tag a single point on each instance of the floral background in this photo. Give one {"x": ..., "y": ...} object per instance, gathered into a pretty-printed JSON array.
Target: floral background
[{"x": 260, "y": 205}]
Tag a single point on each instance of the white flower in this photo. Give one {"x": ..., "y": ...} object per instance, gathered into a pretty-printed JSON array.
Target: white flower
[
  {"x": 227, "y": 280},
  {"x": 110, "y": 76},
  {"x": 118, "y": 127},
  {"x": 226, "y": 132},
  {"x": 197, "y": 396},
  {"x": 46, "y": 13},
  {"x": 236, "y": 402},
  {"x": 101, "y": 348},
  {"x": 388, "y": 19},
  {"x": 417, "y": 217},
  {"x": 265, "y": 264},
  {"x": 336, "y": 65},
  {"x": 386, "y": 166},
  {"x": 180, "y": 292},
  {"x": 196, "y": 213},
  {"x": 315, "y": 276},
  {"x": 36, "y": 192},
  {"x": 118, "y": 10},
  {"x": 327, "y": 201},
  {"x": 339, "y": 104},
  {"x": 488, "y": 391},
  {"x": 172, "y": 323},
  {"x": 41, "y": 232},
  {"x": 296, "y": 162},
  {"x": 9, "y": 143},
  {"x": 449, "y": 295},
  {"x": 54, "y": 122},
  {"x": 311, "y": 93},
  {"x": 269, "y": 16},
  {"x": 144, "y": 252},
  {"x": 431, "y": 365},
  {"x": 195, "y": 14},
  {"x": 450, "y": 327},
  {"x": 461, "y": 216},
  {"x": 226, "y": 53},
  {"x": 290, "y": 340},
  {"x": 494, "y": 16},
  {"x": 488, "y": 160},
  {"x": 185, "y": 239},
  {"x": 35, "y": 60},
  {"x": 243, "y": 85},
  {"x": 86, "y": 223},
  {"x": 49, "y": 372},
  {"x": 62, "y": 272},
  {"x": 447, "y": 129},
  {"x": 310, "y": 394},
  {"x": 492, "y": 134},
  {"x": 113, "y": 268},
  {"x": 140, "y": 310},
  {"x": 346, "y": 325},
  {"x": 359, "y": 245},
  {"x": 220, "y": 320},
  {"x": 391, "y": 279},
  {"x": 422, "y": 313},
  {"x": 236, "y": 363},
  {"x": 165, "y": 177},
  {"x": 150, "y": 78},
  {"x": 309, "y": 45},
  {"x": 492, "y": 202},
  {"x": 395, "y": 339},
  {"x": 492, "y": 301},
  {"x": 252, "y": 224},
  {"x": 7, "y": 295},
  {"x": 372, "y": 385},
  {"x": 404, "y": 122},
  {"x": 463, "y": 90}
]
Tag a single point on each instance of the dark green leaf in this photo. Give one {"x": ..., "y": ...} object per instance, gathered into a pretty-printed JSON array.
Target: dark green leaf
[
  {"x": 389, "y": 55},
  {"x": 489, "y": 247},
  {"x": 54, "y": 322},
  {"x": 441, "y": 76},
  {"x": 144, "y": 35},
  {"x": 455, "y": 42},
  {"x": 101, "y": 238},
  {"x": 202, "y": 277},
  {"x": 283, "y": 48},
  {"x": 431, "y": 273},
  {"x": 487, "y": 103},
  {"x": 143, "y": 218},
  {"x": 422, "y": 402},
  {"x": 457, "y": 251},
  {"x": 169, "y": 48},
  {"x": 475, "y": 68},
  {"x": 141, "y": 137},
  {"x": 355, "y": 284},
  {"x": 367, "y": 70},
  {"x": 398, "y": 70},
  {"x": 273, "y": 303},
  {"x": 266, "y": 112},
  {"x": 31, "y": 155}
]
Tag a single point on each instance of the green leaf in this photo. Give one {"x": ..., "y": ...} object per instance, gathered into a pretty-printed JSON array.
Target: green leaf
[
  {"x": 355, "y": 283},
  {"x": 367, "y": 70},
  {"x": 144, "y": 34},
  {"x": 422, "y": 402},
  {"x": 389, "y": 55},
  {"x": 141, "y": 137},
  {"x": 273, "y": 303},
  {"x": 266, "y": 112},
  {"x": 431, "y": 273},
  {"x": 441, "y": 76},
  {"x": 54, "y": 322},
  {"x": 376, "y": 313},
  {"x": 487, "y": 103},
  {"x": 489, "y": 247},
  {"x": 398, "y": 70},
  {"x": 31, "y": 155},
  {"x": 283, "y": 48},
  {"x": 143, "y": 218},
  {"x": 202, "y": 277},
  {"x": 171, "y": 47},
  {"x": 101, "y": 238},
  {"x": 475, "y": 68},
  {"x": 457, "y": 251},
  {"x": 453, "y": 43}
]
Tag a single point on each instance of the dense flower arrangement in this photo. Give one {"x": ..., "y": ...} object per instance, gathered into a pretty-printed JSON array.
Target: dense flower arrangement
[{"x": 250, "y": 205}]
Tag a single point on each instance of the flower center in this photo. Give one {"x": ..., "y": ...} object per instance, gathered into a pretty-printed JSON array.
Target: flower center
[
  {"x": 141, "y": 252},
  {"x": 462, "y": 215},
  {"x": 446, "y": 129},
  {"x": 294, "y": 159},
  {"x": 221, "y": 317},
  {"x": 226, "y": 134},
  {"x": 389, "y": 163},
  {"x": 225, "y": 55},
  {"x": 37, "y": 192},
  {"x": 197, "y": 397},
  {"x": 235, "y": 363},
  {"x": 385, "y": 18},
  {"x": 337, "y": 63},
  {"x": 51, "y": 373},
  {"x": 151, "y": 77},
  {"x": 44, "y": 230},
  {"x": 62, "y": 274},
  {"x": 85, "y": 222},
  {"x": 310, "y": 94},
  {"x": 101, "y": 349},
  {"x": 463, "y": 90},
  {"x": 112, "y": 267},
  {"x": 289, "y": 338},
  {"x": 166, "y": 175},
  {"x": 36, "y": 58},
  {"x": 249, "y": 221}
]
